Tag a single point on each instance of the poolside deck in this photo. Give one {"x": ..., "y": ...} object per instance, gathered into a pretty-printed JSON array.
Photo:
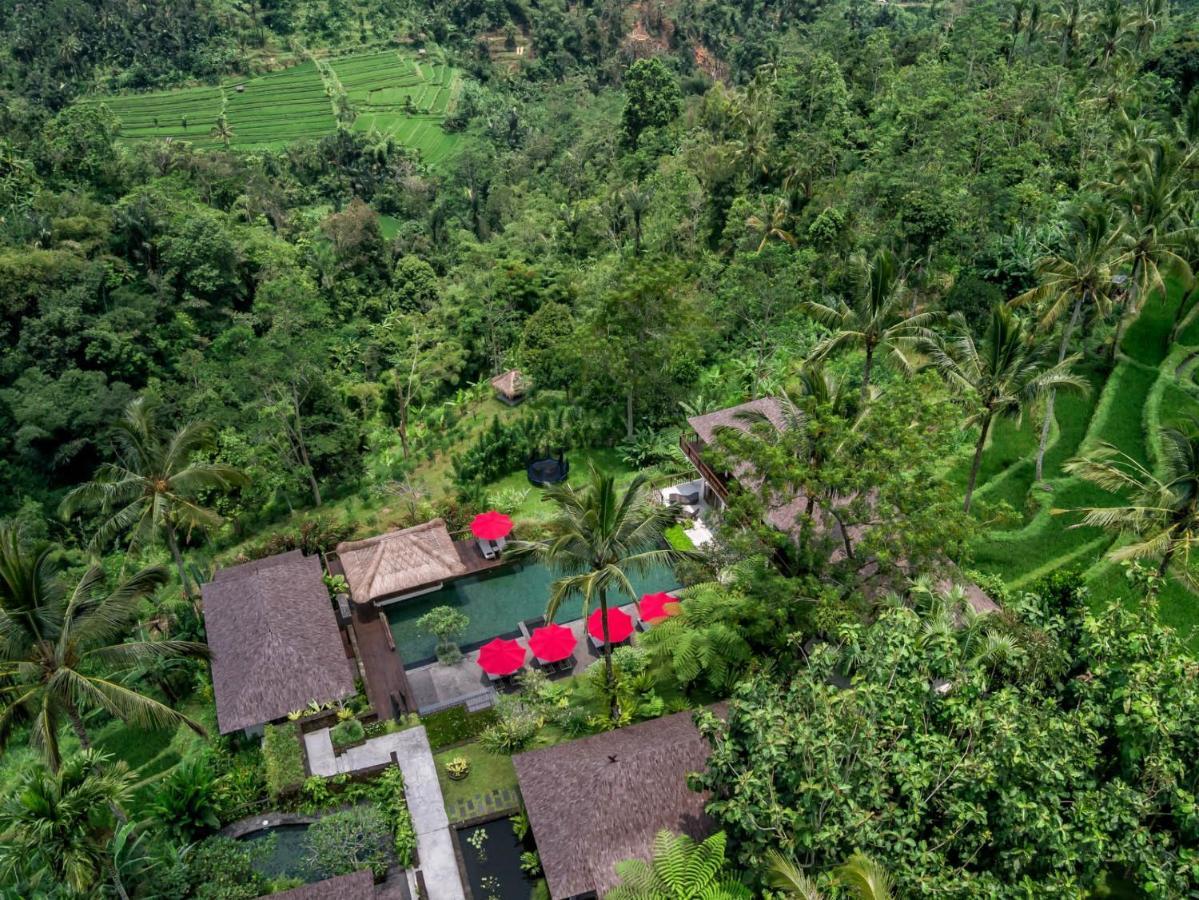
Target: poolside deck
[
  {"x": 473, "y": 558},
  {"x": 387, "y": 685}
]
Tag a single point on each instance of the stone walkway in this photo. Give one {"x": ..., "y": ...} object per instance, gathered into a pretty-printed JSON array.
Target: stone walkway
[
  {"x": 434, "y": 843},
  {"x": 501, "y": 801}
]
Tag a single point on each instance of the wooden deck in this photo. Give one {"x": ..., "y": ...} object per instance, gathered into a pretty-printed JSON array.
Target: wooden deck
[
  {"x": 472, "y": 557},
  {"x": 387, "y": 686}
]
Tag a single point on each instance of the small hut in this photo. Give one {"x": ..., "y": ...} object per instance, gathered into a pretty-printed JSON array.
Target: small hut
[{"x": 510, "y": 387}]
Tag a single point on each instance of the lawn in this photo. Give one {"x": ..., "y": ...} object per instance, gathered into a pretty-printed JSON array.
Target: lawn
[
  {"x": 488, "y": 772},
  {"x": 606, "y": 459}
]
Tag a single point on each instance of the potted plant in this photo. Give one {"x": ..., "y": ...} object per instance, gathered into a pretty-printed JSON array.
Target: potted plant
[
  {"x": 457, "y": 768},
  {"x": 445, "y": 623}
]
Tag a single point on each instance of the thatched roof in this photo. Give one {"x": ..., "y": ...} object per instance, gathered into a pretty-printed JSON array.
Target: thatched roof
[
  {"x": 511, "y": 384},
  {"x": 739, "y": 417},
  {"x": 358, "y": 885},
  {"x": 400, "y": 561},
  {"x": 274, "y": 640},
  {"x": 600, "y": 800}
]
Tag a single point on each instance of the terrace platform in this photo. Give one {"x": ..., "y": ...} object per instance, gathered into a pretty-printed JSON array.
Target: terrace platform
[
  {"x": 436, "y": 687},
  {"x": 698, "y": 531}
]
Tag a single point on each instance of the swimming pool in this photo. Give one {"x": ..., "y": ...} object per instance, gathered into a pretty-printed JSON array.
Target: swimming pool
[{"x": 495, "y": 601}]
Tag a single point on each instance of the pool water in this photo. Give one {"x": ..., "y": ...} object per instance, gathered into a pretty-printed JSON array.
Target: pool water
[
  {"x": 494, "y": 602},
  {"x": 491, "y": 856},
  {"x": 287, "y": 855}
]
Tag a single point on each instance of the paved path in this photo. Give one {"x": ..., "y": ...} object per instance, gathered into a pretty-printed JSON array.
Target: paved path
[
  {"x": 504, "y": 800},
  {"x": 434, "y": 843}
]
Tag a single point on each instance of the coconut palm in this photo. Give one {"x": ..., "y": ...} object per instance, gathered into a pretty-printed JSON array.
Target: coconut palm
[
  {"x": 1161, "y": 513},
  {"x": 152, "y": 487},
  {"x": 875, "y": 319},
  {"x": 1001, "y": 375},
  {"x": 56, "y": 828},
  {"x": 860, "y": 875},
  {"x": 770, "y": 221},
  {"x": 598, "y": 536},
  {"x": 1151, "y": 195},
  {"x": 680, "y": 869},
  {"x": 61, "y": 648},
  {"x": 222, "y": 131},
  {"x": 1077, "y": 278}
]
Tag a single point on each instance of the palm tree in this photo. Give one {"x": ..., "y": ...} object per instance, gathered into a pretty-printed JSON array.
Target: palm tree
[
  {"x": 861, "y": 875},
  {"x": 1151, "y": 195},
  {"x": 1162, "y": 512},
  {"x": 875, "y": 320},
  {"x": 770, "y": 221},
  {"x": 56, "y": 828},
  {"x": 222, "y": 131},
  {"x": 1002, "y": 375},
  {"x": 681, "y": 869},
  {"x": 151, "y": 488},
  {"x": 599, "y": 535},
  {"x": 60, "y": 647},
  {"x": 1076, "y": 277}
]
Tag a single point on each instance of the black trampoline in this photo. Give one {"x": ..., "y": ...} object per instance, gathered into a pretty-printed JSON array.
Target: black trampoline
[{"x": 548, "y": 469}]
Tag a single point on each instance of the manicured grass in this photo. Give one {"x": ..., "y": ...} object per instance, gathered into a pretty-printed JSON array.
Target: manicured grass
[
  {"x": 605, "y": 459},
  {"x": 677, "y": 538},
  {"x": 488, "y": 772}
]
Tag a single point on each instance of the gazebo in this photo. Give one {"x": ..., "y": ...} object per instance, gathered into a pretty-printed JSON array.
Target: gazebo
[{"x": 510, "y": 387}]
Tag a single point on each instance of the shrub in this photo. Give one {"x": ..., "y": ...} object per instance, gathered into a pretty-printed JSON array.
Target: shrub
[
  {"x": 347, "y": 841},
  {"x": 184, "y": 802},
  {"x": 221, "y": 868},
  {"x": 388, "y": 793},
  {"x": 347, "y": 732},
  {"x": 514, "y": 731},
  {"x": 455, "y": 725},
  {"x": 458, "y": 767},
  {"x": 284, "y": 760}
]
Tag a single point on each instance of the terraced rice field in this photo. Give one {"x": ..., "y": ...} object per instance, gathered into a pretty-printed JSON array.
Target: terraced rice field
[
  {"x": 1152, "y": 384},
  {"x": 393, "y": 93}
]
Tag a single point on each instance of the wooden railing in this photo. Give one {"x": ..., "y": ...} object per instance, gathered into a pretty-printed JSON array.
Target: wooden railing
[{"x": 714, "y": 480}]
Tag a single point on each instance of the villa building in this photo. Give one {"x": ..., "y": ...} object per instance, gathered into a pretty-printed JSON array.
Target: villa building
[
  {"x": 599, "y": 800},
  {"x": 276, "y": 644},
  {"x": 401, "y": 564}
]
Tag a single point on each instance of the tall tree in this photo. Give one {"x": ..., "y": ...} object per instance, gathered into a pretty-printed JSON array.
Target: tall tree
[
  {"x": 599, "y": 534},
  {"x": 63, "y": 645},
  {"x": 56, "y": 828},
  {"x": 153, "y": 488},
  {"x": 874, "y": 319},
  {"x": 1076, "y": 278},
  {"x": 1001, "y": 375},
  {"x": 1161, "y": 514},
  {"x": 652, "y": 98}
]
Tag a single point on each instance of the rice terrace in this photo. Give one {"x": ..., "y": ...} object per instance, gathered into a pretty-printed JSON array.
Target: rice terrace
[{"x": 388, "y": 91}]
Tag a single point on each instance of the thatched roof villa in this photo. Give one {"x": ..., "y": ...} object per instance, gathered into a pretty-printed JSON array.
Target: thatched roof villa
[
  {"x": 275, "y": 642},
  {"x": 599, "y": 800},
  {"x": 401, "y": 564}
]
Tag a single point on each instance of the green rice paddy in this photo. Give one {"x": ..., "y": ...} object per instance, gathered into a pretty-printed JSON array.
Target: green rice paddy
[
  {"x": 392, "y": 92},
  {"x": 1152, "y": 384}
]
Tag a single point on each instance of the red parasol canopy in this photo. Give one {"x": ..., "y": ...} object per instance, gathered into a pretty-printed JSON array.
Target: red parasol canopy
[
  {"x": 501, "y": 657},
  {"x": 552, "y": 643},
  {"x": 620, "y": 625},
  {"x": 491, "y": 526},
  {"x": 658, "y": 606}
]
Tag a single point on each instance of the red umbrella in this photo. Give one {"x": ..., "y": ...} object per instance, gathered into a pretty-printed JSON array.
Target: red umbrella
[
  {"x": 658, "y": 606},
  {"x": 620, "y": 625},
  {"x": 552, "y": 643},
  {"x": 501, "y": 657},
  {"x": 491, "y": 526}
]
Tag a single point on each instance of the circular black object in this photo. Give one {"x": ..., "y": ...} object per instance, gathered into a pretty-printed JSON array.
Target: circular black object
[{"x": 548, "y": 470}]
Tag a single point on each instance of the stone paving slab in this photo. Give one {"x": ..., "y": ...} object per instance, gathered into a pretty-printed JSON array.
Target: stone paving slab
[
  {"x": 501, "y": 801},
  {"x": 434, "y": 843}
]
